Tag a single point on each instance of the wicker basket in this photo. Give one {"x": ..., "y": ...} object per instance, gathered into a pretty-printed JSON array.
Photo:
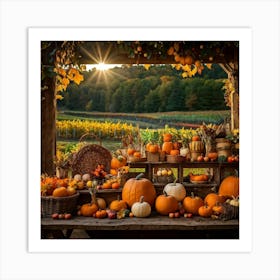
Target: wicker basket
[
  {"x": 152, "y": 157},
  {"x": 88, "y": 157},
  {"x": 163, "y": 179},
  {"x": 174, "y": 159},
  {"x": 60, "y": 205}
]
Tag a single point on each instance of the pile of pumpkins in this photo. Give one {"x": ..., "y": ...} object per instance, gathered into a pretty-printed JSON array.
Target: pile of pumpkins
[{"x": 139, "y": 195}]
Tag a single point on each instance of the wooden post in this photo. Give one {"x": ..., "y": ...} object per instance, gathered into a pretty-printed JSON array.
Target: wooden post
[
  {"x": 232, "y": 72},
  {"x": 48, "y": 131}
]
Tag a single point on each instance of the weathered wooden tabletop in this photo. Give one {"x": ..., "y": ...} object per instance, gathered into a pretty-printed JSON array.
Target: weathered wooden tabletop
[{"x": 150, "y": 223}]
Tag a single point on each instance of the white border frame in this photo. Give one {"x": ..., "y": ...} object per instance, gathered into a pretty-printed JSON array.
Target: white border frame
[{"x": 243, "y": 35}]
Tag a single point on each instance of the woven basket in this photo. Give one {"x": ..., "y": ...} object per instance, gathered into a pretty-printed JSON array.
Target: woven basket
[
  {"x": 60, "y": 205},
  {"x": 164, "y": 179},
  {"x": 88, "y": 157},
  {"x": 174, "y": 159}
]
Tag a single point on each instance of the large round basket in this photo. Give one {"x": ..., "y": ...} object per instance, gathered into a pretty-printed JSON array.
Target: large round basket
[
  {"x": 89, "y": 157},
  {"x": 60, "y": 205}
]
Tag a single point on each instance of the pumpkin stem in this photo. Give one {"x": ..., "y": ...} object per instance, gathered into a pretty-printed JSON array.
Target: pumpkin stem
[
  {"x": 192, "y": 194},
  {"x": 141, "y": 199},
  {"x": 165, "y": 193},
  {"x": 175, "y": 181},
  {"x": 139, "y": 176}
]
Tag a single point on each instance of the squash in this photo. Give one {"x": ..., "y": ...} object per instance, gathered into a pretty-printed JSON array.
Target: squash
[
  {"x": 218, "y": 209},
  {"x": 118, "y": 204},
  {"x": 167, "y": 137},
  {"x": 176, "y": 189},
  {"x": 118, "y": 161},
  {"x": 166, "y": 204},
  {"x": 174, "y": 152},
  {"x": 153, "y": 148},
  {"x": 205, "y": 211},
  {"x": 192, "y": 203},
  {"x": 134, "y": 188},
  {"x": 101, "y": 203},
  {"x": 167, "y": 147},
  {"x": 60, "y": 192},
  {"x": 212, "y": 199},
  {"x": 141, "y": 209},
  {"x": 229, "y": 187},
  {"x": 88, "y": 209},
  {"x": 100, "y": 214}
]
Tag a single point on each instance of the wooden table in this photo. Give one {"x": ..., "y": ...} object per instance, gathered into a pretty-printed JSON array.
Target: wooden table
[{"x": 159, "y": 227}]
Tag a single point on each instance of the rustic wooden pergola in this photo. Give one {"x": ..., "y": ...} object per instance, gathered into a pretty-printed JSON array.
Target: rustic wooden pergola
[{"x": 226, "y": 54}]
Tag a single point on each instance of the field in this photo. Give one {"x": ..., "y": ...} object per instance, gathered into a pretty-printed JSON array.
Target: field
[{"x": 151, "y": 120}]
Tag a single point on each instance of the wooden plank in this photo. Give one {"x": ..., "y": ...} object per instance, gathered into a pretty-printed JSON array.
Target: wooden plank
[{"x": 150, "y": 223}]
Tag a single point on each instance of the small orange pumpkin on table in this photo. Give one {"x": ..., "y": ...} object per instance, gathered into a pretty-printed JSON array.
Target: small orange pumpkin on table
[
  {"x": 205, "y": 211},
  {"x": 192, "y": 203},
  {"x": 118, "y": 204},
  {"x": 166, "y": 204},
  {"x": 88, "y": 209}
]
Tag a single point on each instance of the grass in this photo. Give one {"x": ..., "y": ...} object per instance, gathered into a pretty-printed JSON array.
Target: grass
[{"x": 150, "y": 120}]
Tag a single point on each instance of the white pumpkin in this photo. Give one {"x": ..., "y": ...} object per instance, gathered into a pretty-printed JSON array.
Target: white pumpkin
[
  {"x": 86, "y": 177},
  {"x": 141, "y": 209},
  {"x": 184, "y": 151},
  {"x": 176, "y": 189}
]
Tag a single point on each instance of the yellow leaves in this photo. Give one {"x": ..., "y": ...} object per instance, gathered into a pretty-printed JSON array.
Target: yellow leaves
[
  {"x": 58, "y": 97},
  {"x": 64, "y": 78},
  {"x": 74, "y": 75},
  {"x": 147, "y": 66}
]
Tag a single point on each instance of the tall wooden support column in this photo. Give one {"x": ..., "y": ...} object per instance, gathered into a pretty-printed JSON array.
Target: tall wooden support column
[
  {"x": 48, "y": 131},
  {"x": 233, "y": 75}
]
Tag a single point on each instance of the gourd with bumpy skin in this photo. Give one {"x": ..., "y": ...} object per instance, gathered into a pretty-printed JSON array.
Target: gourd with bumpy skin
[
  {"x": 134, "y": 188},
  {"x": 141, "y": 209},
  {"x": 176, "y": 189},
  {"x": 166, "y": 204}
]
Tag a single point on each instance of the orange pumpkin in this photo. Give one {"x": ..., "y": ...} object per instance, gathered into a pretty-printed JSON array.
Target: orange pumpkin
[
  {"x": 195, "y": 138},
  {"x": 167, "y": 147},
  {"x": 166, "y": 204},
  {"x": 212, "y": 156},
  {"x": 192, "y": 203},
  {"x": 153, "y": 148},
  {"x": 88, "y": 209},
  {"x": 229, "y": 187},
  {"x": 205, "y": 211},
  {"x": 60, "y": 192},
  {"x": 174, "y": 152},
  {"x": 167, "y": 137},
  {"x": 118, "y": 204},
  {"x": 116, "y": 185},
  {"x": 118, "y": 162},
  {"x": 130, "y": 151},
  {"x": 113, "y": 172},
  {"x": 218, "y": 209},
  {"x": 137, "y": 154},
  {"x": 212, "y": 199},
  {"x": 100, "y": 214},
  {"x": 134, "y": 188}
]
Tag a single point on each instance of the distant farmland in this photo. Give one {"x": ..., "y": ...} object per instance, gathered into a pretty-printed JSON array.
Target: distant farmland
[{"x": 151, "y": 120}]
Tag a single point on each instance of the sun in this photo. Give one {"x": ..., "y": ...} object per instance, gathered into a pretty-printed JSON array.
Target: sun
[{"x": 101, "y": 66}]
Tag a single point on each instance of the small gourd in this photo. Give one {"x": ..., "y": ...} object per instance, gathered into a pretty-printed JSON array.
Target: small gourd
[{"x": 141, "y": 209}]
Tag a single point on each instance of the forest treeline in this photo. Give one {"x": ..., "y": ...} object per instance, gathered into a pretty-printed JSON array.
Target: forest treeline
[{"x": 135, "y": 89}]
